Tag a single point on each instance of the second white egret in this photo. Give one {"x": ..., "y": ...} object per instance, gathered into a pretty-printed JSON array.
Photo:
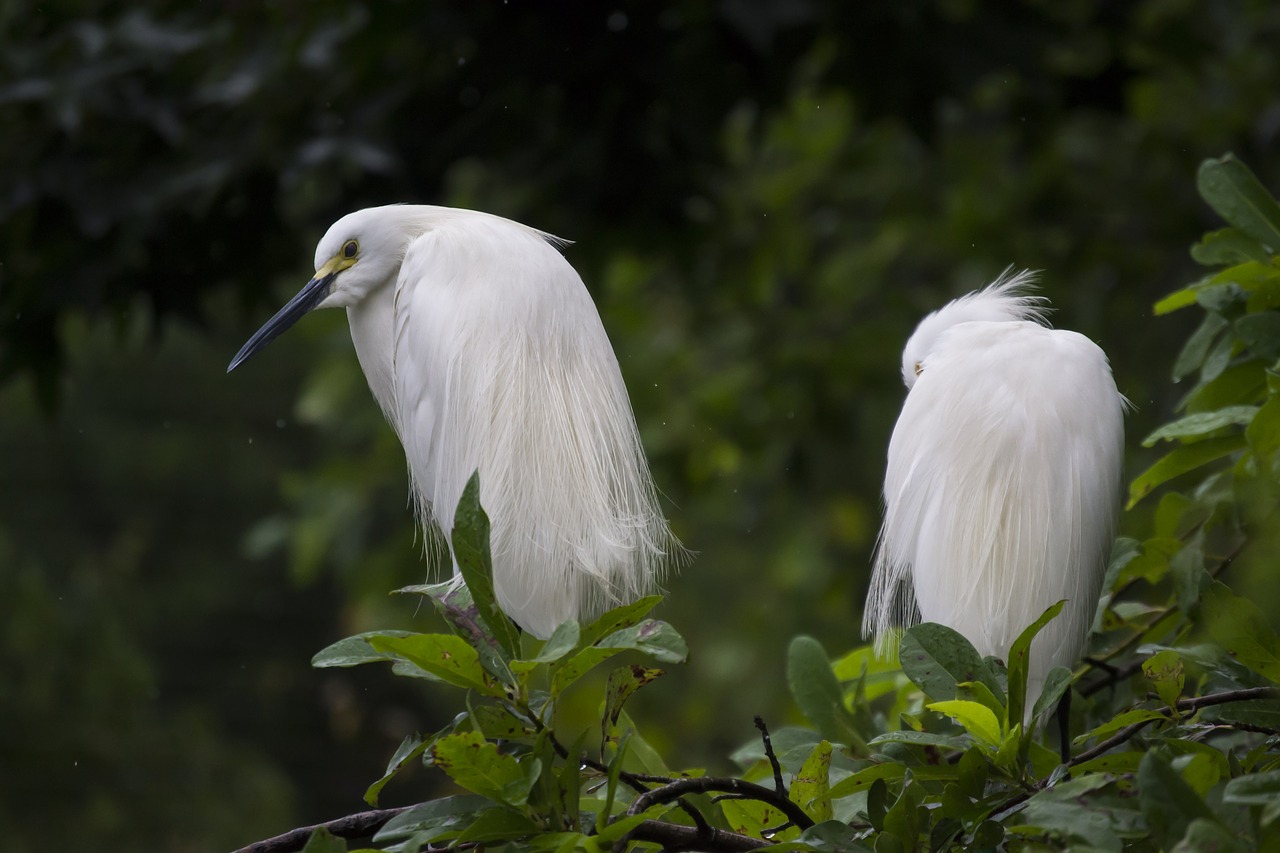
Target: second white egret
[
  {"x": 484, "y": 350},
  {"x": 1003, "y": 482}
]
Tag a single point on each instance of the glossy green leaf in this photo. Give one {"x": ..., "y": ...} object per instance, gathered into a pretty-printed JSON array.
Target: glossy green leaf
[
  {"x": 1180, "y": 461},
  {"x": 1197, "y": 346},
  {"x": 497, "y": 824},
  {"x": 655, "y": 639},
  {"x": 1235, "y": 193},
  {"x": 815, "y": 689},
  {"x": 1056, "y": 685},
  {"x": 936, "y": 659},
  {"x": 470, "y": 539},
  {"x": 1020, "y": 662},
  {"x": 446, "y": 657},
  {"x": 1256, "y": 789},
  {"x": 862, "y": 780},
  {"x": 1201, "y": 425},
  {"x": 353, "y": 651},
  {"x": 976, "y": 718}
]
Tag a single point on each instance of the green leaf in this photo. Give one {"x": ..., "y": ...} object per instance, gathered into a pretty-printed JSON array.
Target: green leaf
[
  {"x": 1120, "y": 721},
  {"x": 810, "y": 786},
  {"x": 410, "y": 748},
  {"x": 1164, "y": 669},
  {"x": 832, "y": 836},
  {"x": 1188, "y": 573},
  {"x": 1200, "y": 425},
  {"x": 1228, "y": 246},
  {"x": 1082, "y": 808},
  {"x": 903, "y": 818},
  {"x": 976, "y": 718},
  {"x": 1197, "y": 346},
  {"x": 1207, "y": 835},
  {"x": 446, "y": 657},
  {"x": 656, "y": 639},
  {"x": 476, "y": 764},
  {"x": 1184, "y": 298},
  {"x": 433, "y": 818},
  {"x": 562, "y": 641},
  {"x": 1260, "y": 333},
  {"x": 936, "y": 659},
  {"x": 496, "y": 824},
  {"x": 1263, "y": 434},
  {"x": 323, "y": 841},
  {"x": 815, "y": 689},
  {"x": 1256, "y": 789},
  {"x": 619, "y": 617},
  {"x": 752, "y": 817},
  {"x": 1235, "y": 193},
  {"x": 862, "y": 780},
  {"x": 356, "y": 650},
  {"x": 497, "y": 723},
  {"x": 623, "y": 682},
  {"x": 1168, "y": 803},
  {"x": 1056, "y": 684},
  {"x": 1239, "y": 627},
  {"x": 1180, "y": 461},
  {"x": 475, "y": 563},
  {"x": 1020, "y": 662}
]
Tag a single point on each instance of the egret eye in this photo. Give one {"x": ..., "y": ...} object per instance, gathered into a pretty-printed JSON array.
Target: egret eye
[
  {"x": 919, "y": 368},
  {"x": 350, "y": 249}
]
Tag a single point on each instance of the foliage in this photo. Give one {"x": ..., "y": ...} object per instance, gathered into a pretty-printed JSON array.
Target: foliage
[{"x": 1176, "y": 745}]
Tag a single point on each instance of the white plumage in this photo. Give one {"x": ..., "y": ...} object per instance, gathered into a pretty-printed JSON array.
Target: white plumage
[
  {"x": 484, "y": 350},
  {"x": 1003, "y": 482}
]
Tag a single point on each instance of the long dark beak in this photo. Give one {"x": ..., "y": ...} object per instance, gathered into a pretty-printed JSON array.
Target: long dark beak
[{"x": 309, "y": 297}]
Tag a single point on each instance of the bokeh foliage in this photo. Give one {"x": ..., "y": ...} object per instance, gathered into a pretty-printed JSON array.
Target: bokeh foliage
[{"x": 764, "y": 197}]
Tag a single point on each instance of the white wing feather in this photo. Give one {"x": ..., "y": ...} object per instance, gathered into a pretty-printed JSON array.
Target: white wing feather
[
  {"x": 1002, "y": 488},
  {"x": 501, "y": 364}
]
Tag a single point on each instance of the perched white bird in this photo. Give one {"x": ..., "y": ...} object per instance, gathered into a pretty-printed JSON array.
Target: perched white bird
[
  {"x": 1004, "y": 480},
  {"x": 485, "y": 352}
]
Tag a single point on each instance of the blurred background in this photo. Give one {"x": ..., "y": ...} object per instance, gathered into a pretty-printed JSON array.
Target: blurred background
[{"x": 765, "y": 197}]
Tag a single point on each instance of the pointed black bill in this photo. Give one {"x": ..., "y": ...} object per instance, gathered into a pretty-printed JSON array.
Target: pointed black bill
[{"x": 309, "y": 297}]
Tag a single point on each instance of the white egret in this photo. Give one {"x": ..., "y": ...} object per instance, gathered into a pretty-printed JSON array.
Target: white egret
[
  {"x": 1003, "y": 482},
  {"x": 484, "y": 350}
]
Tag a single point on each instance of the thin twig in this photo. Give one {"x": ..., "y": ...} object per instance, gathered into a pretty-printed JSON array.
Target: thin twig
[
  {"x": 705, "y": 784},
  {"x": 773, "y": 758}
]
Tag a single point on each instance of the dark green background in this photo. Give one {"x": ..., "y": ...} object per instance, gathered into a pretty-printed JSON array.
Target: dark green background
[{"x": 764, "y": 198}]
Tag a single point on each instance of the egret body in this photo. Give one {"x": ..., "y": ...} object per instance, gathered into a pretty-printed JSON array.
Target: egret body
[
  {"x": 1003, "y": 481},
  {"x": 484, "y": 350}
]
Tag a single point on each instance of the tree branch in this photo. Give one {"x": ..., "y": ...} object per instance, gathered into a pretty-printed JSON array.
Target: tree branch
[
  {"x": 674, "y": 837},
  {"x": 360, "y": 825},
  {"x": 738, "y": 787},
  {"x": 1193, "y": 704}
]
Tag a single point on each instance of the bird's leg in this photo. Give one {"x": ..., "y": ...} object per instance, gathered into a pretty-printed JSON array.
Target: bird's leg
[{"x": 1064, "y": 726}]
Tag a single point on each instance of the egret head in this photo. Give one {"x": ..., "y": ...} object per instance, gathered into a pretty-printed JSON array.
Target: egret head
[
  {"x": 1004, "y": 300},
  {"x": 359, "y": 253}
]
